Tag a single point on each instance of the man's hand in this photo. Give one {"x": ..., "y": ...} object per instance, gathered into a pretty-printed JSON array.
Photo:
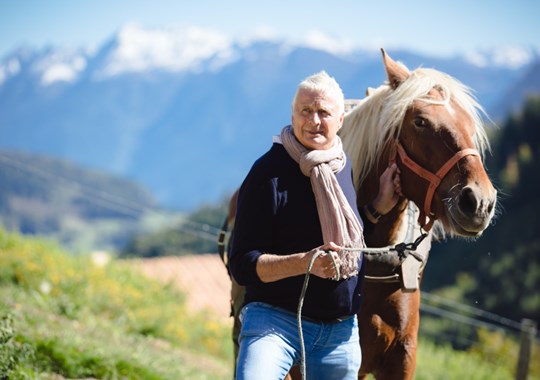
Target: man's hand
[
  {"x": 323, "y": 266},
  {"x": 389, "y": 190}
]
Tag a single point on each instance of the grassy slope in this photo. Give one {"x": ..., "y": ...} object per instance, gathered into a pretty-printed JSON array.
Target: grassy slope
[
  {"x": 443, "y": 363},
  {"x": 66, "y": 316}
]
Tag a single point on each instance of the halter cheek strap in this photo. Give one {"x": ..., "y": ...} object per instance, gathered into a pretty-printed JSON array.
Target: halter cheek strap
[{"x": 433, "y": 179}]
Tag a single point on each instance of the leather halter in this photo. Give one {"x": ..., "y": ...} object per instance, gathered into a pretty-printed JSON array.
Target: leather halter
[{"x": 433, "y": 179}]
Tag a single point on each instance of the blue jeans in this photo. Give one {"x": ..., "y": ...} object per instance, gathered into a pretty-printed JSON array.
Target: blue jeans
[{"x": 270, "y": 345}]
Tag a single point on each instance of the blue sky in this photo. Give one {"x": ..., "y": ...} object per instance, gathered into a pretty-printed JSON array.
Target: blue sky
[{"x": 430, "y": 26}]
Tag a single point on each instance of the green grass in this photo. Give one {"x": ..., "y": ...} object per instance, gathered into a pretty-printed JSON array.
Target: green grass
[
  {"x": 436, "y": 362},
  {"x": 443, "y": 363},
  {"x": 62, "y": 316}
]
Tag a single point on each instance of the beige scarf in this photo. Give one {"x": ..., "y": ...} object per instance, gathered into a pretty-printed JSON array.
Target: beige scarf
[{"x": 339, "y": 224}]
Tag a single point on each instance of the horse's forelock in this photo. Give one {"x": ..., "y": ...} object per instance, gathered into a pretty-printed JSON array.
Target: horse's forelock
[
  {"x": 375, "y": 122},
  {"x": 462, "y": 95}
]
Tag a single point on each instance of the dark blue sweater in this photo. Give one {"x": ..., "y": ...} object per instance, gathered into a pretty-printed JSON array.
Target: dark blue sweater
[{"x": 277, "y": 213}]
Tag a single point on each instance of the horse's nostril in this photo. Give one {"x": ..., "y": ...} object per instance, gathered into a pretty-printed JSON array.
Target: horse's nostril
[
  {"x": 490, "y": 206},
  {"x": 468, "y": 203}
]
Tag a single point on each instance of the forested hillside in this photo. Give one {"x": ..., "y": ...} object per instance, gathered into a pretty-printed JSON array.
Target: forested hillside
[
  {"x": 80, "y": 207},
  {"x": 500, "y": 272},
  {"x": 196, "y": 234}
]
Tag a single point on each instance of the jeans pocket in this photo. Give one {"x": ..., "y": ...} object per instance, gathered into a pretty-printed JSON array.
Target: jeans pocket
[{"x": 256, "y": 319}]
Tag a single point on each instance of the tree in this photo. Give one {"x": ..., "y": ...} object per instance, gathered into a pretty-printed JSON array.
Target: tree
[{"x": 198, "y": 233}]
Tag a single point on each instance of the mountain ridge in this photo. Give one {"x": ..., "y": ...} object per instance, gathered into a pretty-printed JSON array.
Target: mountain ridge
[{"x": 190, "y": 132}]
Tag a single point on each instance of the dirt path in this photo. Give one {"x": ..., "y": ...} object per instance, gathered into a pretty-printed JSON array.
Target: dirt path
[{"x": 203, "y": 278}]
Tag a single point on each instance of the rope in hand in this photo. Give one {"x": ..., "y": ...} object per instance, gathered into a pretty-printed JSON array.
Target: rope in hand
[
  {"x": 336, "y": 277},
  {"x": 402, "y": 249}
]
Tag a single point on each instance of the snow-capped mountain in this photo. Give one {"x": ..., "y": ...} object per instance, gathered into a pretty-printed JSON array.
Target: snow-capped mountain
[
  {"x": 509, "y": 57},
  {"x": 186, "y": 111}
]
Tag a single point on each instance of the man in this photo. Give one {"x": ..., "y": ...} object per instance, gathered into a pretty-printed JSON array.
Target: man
[{"x": 298, "y": 200}]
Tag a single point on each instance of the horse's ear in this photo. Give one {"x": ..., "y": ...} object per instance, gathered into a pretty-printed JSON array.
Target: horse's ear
[
  {"x": 395, "y": 71},
  {"x": 369, "y": 91}
]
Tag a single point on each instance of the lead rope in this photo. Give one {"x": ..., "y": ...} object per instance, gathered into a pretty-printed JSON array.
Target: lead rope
[
  {"x": 336, "y": 277},
  {"x": 406, "y": 247}
]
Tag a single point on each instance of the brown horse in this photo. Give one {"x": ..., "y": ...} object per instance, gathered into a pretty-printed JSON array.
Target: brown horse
[{"x": 431, "y": 126}]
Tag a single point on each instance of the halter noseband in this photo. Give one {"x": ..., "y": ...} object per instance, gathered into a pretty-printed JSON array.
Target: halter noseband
[{"x": 433, "y": 179}]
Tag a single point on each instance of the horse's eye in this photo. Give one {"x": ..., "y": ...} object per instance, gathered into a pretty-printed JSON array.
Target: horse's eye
[{"x": 420, "y": 122}]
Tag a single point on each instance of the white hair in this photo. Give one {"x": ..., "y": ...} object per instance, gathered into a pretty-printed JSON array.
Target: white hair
[{"x": 322, "y": 82}]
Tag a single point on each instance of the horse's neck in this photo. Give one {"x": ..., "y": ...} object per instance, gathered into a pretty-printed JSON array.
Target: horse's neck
[{"x": 389, "y": 228}]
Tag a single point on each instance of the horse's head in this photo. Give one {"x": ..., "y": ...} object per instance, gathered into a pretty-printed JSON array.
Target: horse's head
[{"x": 434, "y": 126}]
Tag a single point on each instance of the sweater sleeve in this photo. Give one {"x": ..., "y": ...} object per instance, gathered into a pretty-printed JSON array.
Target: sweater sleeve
[{"x": 252, "y": 234}]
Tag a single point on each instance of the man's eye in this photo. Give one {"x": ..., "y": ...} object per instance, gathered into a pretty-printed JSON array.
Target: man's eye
[{"x": 323, "y": 113}]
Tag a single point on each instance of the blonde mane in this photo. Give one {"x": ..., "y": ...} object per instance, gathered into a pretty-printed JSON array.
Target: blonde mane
[{"x": 376, "y": 120}]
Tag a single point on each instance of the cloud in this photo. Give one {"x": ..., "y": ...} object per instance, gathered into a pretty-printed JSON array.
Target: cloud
[
  {"x": 507, "y": 56},
  {"x": 322, "y": 41},
  {"x": 140, "y": 49},
  {"x": 512, "y": 57},
  {"x": 11, "y": 68}
]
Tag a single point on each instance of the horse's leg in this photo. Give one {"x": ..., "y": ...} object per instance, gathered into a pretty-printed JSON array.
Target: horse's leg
[
  {"x": 403, "y": 359},
  {"x": 376, "y": 339},
  {"x": 407, "y": 350},
  {"x": 400, "y": 360},
  {"x": 401, "y": 363},
  {"x": 237, "y": 300},
  {"x": 294, "y": 374}
]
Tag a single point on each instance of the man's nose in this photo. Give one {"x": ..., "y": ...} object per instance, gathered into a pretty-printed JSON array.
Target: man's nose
[{"x": 314, "y": 118}]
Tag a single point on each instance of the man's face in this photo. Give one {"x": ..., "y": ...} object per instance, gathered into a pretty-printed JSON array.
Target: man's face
[{"x": 316, "y": 119}]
